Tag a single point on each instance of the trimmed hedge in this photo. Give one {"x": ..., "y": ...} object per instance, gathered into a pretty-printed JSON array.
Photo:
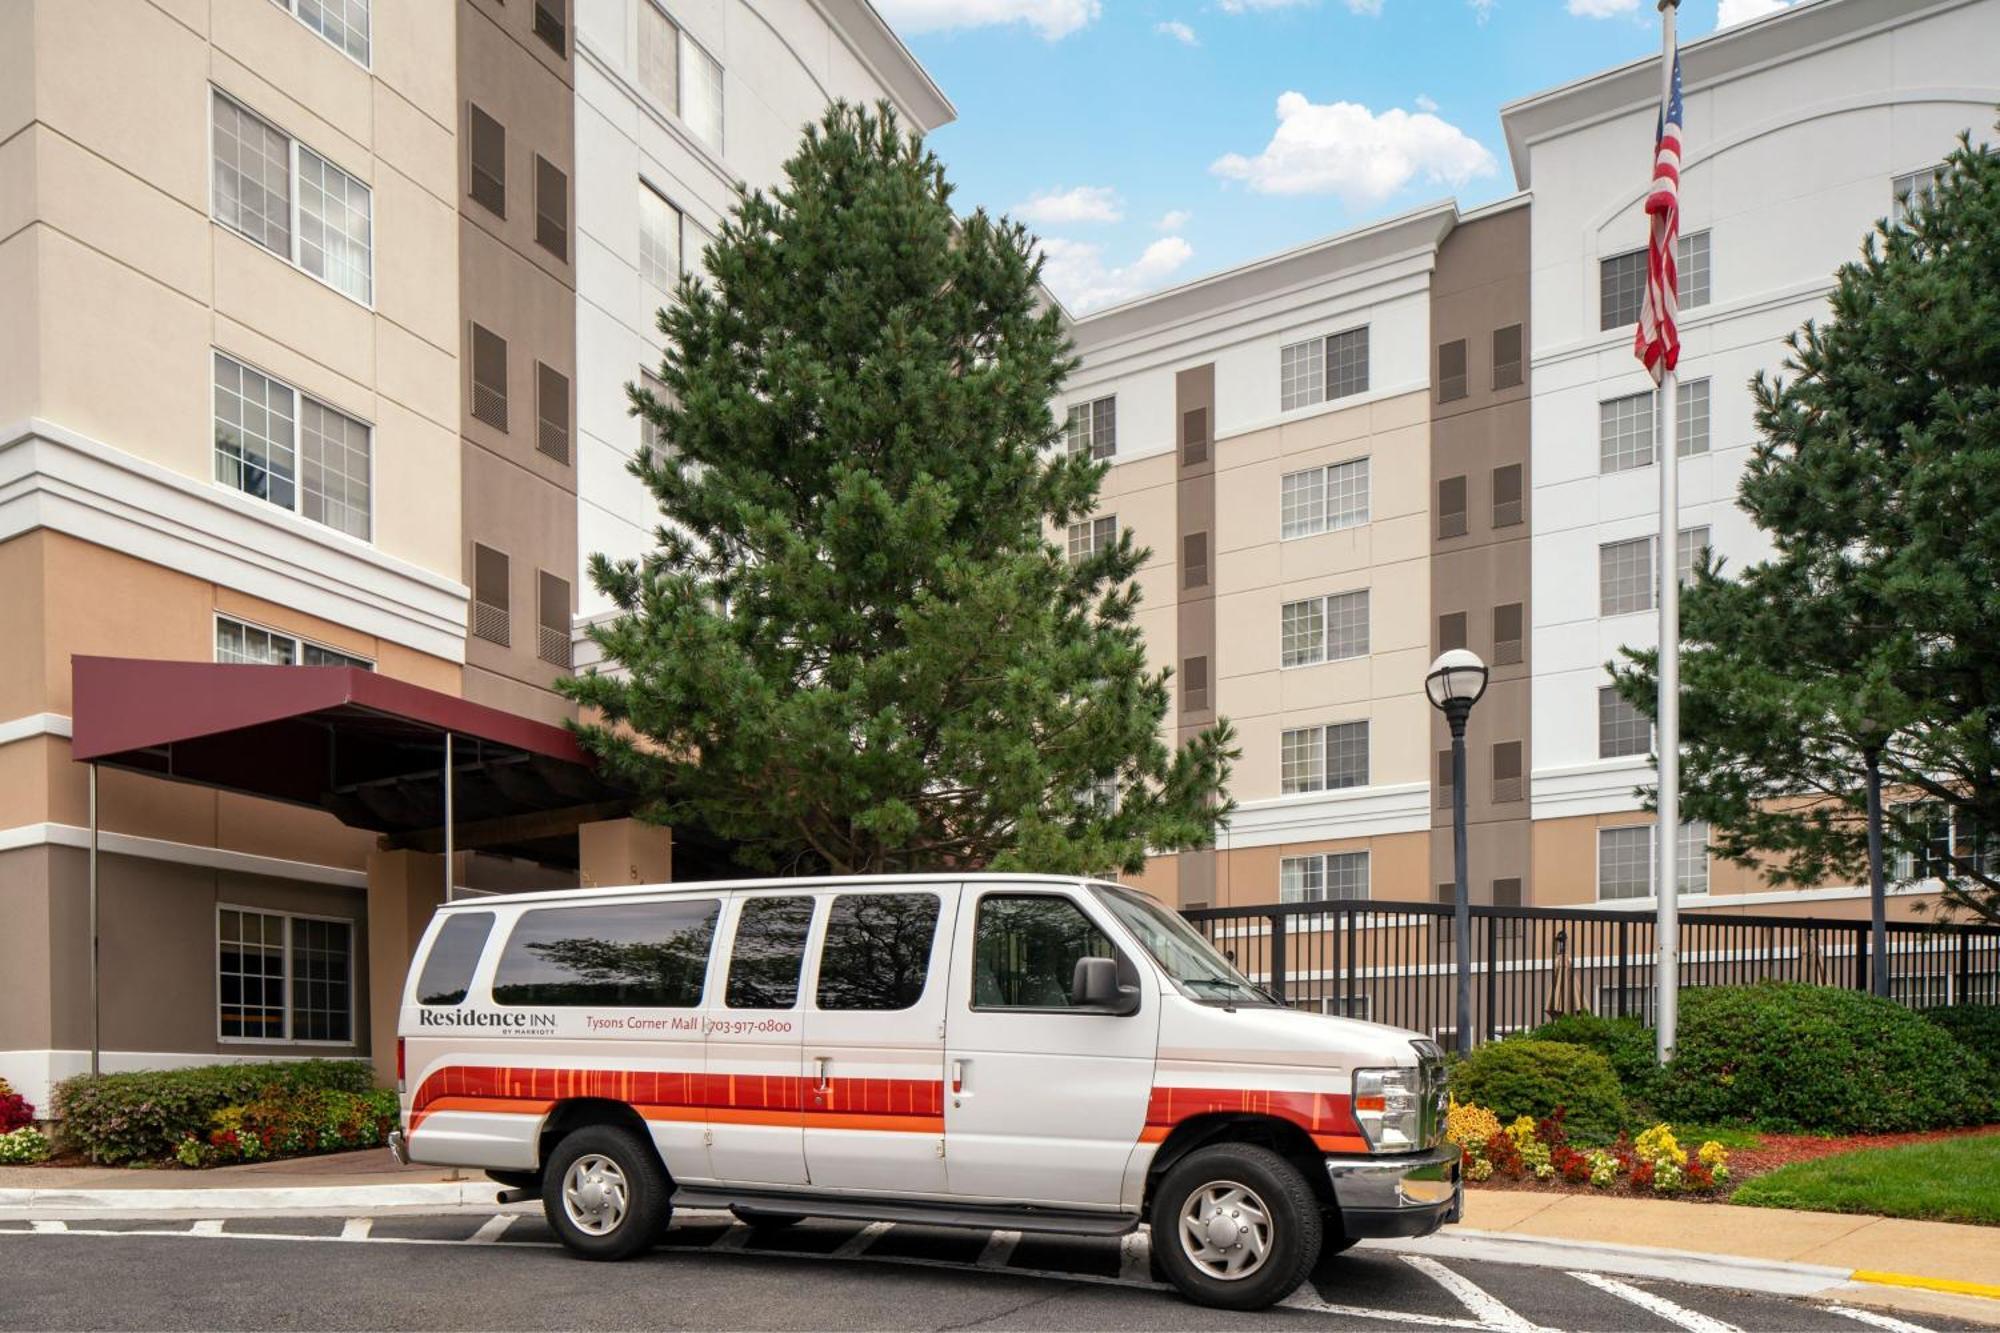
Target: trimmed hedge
[
  {"x": 1521, "y": 1076},
  {"x": 1626, "y": 1043},
  {"x": 1976, "y": 1027},
  {"x": 141, "y": 1117},
  {"x": 1805, "y": 1059}
]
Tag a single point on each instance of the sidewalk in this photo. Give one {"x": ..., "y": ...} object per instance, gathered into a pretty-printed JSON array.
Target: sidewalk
[{"x": 366, "y": 1179}]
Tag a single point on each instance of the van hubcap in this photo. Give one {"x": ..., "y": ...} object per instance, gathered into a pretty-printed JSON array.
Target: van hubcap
[
  {"x": 1226, "y": 1230},
  {"x": 594, "y": 1194}
]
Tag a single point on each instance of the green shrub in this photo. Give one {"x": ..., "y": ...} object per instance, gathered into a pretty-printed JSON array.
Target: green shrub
[
  {"x": 1523, "y": 1077},
  {"x": 143, "y": 1117},
  {"x": 1625, "y": 1042},
  {"x": 1977, "y": 1028},
  {"x": 1793, "y": 1057}
]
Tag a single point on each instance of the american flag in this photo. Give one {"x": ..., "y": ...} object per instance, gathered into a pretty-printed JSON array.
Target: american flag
[{"x": 1658, "y": 342}]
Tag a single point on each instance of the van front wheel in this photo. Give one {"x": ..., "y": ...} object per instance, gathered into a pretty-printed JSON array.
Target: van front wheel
[
  {"x": 604, "y": 1193},
  {"x": 1235, "y": 1227}
]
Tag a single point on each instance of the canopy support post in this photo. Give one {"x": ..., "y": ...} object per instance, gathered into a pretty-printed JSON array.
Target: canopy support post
[
  {"x": 96, "y": 1007},
  {"x": 450, "y": 776}
]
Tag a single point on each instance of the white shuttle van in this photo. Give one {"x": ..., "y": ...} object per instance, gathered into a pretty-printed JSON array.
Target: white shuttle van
[{"x": 1018, "y": 1051}]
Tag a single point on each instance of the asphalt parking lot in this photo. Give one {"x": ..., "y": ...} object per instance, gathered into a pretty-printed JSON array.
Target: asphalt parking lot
[{"x": 503, "y": 1270}]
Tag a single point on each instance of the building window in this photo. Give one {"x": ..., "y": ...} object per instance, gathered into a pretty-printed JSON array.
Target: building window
[
  {"x": 1625, "y": 577},
  {"x": 1093, "y": 428},
  {"x": 1507, "y": 783},
  {"x": 1507, "y": 496},
  {"x": 680, "y": 76},
  {"x": 1323, "y": 758},
  {"x": 1451, "y": 631},
  {"x": 660, "y": 248},
  {"x": 1451, "y": 371},
  {"x": 1322, "y": 877},
  {"x": 1691, "y": 267},
  {"x": 1507, "y": 354},
  {"x": 279, "y": 445},
  {"x": 240, "y": 642},
  {"x": 551, "y": 25},
  {"x": 1948, "y": 847},
  {"x": 1194, "y": 684},
  {"x": 258, "y": 173},
  {"x": 1323, "y": 499},
  {"x": 1451, "y": 507},
  {"x": 489, "y": 377},
  {"x": 1091, "y": 536},
  {"x": 1625, "y": 861},
  {"x": 283, "y": 978},
  {"x": 1507, "y": 634},
  {"x": 650, "y": 435},
  {"x": 1625, "y": 433},
  {"x": 1688, "y": 551},
  {"x": 1322, "y": 369},
  {"x": 488, "y": 157},
  {"x": 491, "y": 596},
  {"x": 1691, "y": 418},
  {"x": 1911, "y": 191},
  {"x": 552, "y": 620},
  {"x": 1194, "y": 437},
  {"x": 1194, "y": 560},
  {"x": 1324, "y": 629},
  {"x": 1622, "y": 729},
  {"x": 1621, "y": 289},
  {"x": 551, "y": 208},
  {"x": 552, "y": 413},
  {"x": 344, "y": 23}
]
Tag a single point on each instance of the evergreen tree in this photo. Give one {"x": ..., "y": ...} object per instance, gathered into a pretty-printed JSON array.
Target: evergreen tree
[
  {"x": 1875, "y": 623},
  {"x": 856, "y": 647}
]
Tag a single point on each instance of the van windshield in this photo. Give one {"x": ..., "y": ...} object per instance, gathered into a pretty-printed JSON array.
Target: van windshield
[{"x": 1180, "y": 949}]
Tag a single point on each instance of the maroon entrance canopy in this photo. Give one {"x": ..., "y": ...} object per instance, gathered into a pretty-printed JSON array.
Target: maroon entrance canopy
[{"x": 366, "y": 747}]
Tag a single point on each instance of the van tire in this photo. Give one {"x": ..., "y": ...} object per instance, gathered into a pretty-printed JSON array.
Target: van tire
[
  {"x": 616, "y": 1165},
  {"x": 1227, "y": 1174}
]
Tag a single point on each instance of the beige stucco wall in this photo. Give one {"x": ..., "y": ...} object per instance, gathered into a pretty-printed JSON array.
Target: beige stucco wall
[{"x": 123, "y": 284}]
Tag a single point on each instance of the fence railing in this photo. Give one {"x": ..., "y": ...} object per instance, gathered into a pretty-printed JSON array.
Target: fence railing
[{"x": 1394, "y": 962}]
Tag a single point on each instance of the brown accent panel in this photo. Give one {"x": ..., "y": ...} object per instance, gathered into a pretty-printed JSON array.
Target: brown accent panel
[
  {"x": 1479, "y": 550},
  {"x": 1195, "y": 542}
]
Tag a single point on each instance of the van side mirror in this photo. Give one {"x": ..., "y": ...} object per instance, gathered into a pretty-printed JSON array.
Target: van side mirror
[{"x": 1095, "y": 986}]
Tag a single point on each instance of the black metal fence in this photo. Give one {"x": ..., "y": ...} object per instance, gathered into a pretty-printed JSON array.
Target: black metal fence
[{"x": 1395, "y": 962}]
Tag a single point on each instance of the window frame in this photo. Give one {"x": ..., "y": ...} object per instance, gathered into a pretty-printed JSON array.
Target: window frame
[
  {"x": 1324, "y": 861},
  {"x": 1091, "y": 443},
  {"x": 1924, "y": 183},
  {"x": 1319, "y": 740},
  {"x": 808, "y": 977},
  {"x": 496, "y": 960},
  {"x": 1118, "y": 955},
  {"x": 299, "y": 398},
  {"x": 1609, "y": 695},
  {"x": 1652, "y": 893},
  {"x": 1329, "y": 520},
  {"x": 682, "y": 42},
  {"x": 1325, "y": 601},
  {"x": 299, "y": 643},
  {"x": 939, "y": 940},
  {"x": 293, "y": 147},
  {"x": 353, "y": 1017},
  {"x": 366, "y": 62},
  {"x": 1323, "y": 358}
]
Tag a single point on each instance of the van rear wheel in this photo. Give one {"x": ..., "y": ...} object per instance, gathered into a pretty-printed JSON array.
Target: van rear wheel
[
  {"x": 1235, "y": 1227},
  {"x": 604, "y": 1193}
]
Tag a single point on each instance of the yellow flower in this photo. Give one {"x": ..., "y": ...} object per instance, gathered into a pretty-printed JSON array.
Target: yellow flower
[
  {"x": 1469, "y": 1125},
  {"x": 1658, "y": 1146},
  {"x": 1522, "y": 1131},
  {"x": 1713, "y": 1154}
]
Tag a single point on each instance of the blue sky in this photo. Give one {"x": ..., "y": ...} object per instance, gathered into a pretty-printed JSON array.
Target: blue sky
[{"x": 1151, "y": 141}]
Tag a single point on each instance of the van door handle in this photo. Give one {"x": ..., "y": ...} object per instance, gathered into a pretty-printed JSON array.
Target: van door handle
[
  {"x": 820, "y": 1063},
  {"x": 958, "y": 1076}
]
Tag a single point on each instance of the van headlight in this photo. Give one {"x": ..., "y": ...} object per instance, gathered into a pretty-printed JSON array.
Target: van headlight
[{"x": 1387, "y": 1106}]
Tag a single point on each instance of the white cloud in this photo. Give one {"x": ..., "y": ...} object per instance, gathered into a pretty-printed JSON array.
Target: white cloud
[
  {"x": 1174, "y": 220},
  {"x": 1483, "y": 9},
  {"x": 1177, "y": 30},
  {"x": 1602, "y": 9},
  {"x": 1085, "y": 203},
  {"x": 1369, "y": 7},
  {"x": 1344, "y": 148},
  {"x": 1742, "y": 11},
  {"x": 1250, "y": 6},
  {"x": 1053, "y": 19},
  {"x": 1076, "y": 272},
  {"x": 1424, "y": 103}
]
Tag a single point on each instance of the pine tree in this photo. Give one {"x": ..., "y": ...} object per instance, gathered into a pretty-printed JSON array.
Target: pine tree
[
  {"x": 1875, "y": 623},
  {"x": 856, "y": 647}
]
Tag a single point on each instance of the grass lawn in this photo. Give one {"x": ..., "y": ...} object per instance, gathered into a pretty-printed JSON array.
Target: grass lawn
[
  {"x": 1947, "y": 1180},
  {"x": 1731, "y": 1137}
]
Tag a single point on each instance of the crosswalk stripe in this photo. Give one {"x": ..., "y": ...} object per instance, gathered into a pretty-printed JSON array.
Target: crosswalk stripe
[
  {"x": 491, "y": 1230},
  {"x": 1305, "y": 1298},
  {"x": 356, "y": 1228},
  {"x": 48, "y": 1224},
  {"x": 1486, "y": 1308},
  {"x": 859, "y": 1242},
  {"x": 1878, "y": 1319},
  {"x": 211, "y": 1226},
  {"x": 999, "y": 1249},
  {"x": 1688, "y": 1319}
]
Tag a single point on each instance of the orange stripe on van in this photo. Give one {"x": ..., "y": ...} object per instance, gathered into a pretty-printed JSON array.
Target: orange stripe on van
[{"x": 1327, "y": 1117}]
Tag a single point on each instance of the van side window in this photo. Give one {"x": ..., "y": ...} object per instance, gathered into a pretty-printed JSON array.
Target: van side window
[
  {"x": 1025, "y": 950},
  {"x": 652, "y": 955},
  {"x": 769, "y": 950},
  {"x": 447, "y": 973},
  {"x": 877, "y": 951}
]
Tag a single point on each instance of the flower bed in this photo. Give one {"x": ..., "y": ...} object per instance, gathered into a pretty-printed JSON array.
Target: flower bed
[
  {"x": 1539, "y": 1151},
  {"x": 20, "y": 1142},
  {"x": 215, "y": 1114}
]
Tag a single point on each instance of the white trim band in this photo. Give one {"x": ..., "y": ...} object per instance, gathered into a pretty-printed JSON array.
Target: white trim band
[{"x": 180, "y": 853}]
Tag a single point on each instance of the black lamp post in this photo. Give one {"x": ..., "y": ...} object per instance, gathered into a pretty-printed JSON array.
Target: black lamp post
[
  {"x": 1455, "y": 682},
  {"x": 1873, "y": 736}
]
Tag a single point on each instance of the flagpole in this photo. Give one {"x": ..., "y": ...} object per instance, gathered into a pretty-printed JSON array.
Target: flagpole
[{"x": 1666, "y": 973}]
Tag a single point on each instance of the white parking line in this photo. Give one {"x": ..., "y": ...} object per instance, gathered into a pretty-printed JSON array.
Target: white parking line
[
  {"x": 1487, "y": 1309},
  {"x": 208, "y": 1226},
  {"x": 356, "y": 1228},
  {"x": 494, "y": 1228},
  {"x": 999, "y": 1249},
  {"x": 1659, "y": 1305},
  {"x": 859, "y": 1242},
  {"x": 1879, "y": 1320},
  {"x": 1305, "y": 1298},
  {"x": 46, "y": 1225}
]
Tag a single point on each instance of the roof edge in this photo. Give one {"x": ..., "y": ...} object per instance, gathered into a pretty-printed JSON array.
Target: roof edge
[{"x": 871, "y": 39}]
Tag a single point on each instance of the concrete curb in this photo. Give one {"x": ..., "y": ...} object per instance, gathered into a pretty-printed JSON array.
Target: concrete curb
[
  {"x": 1693, "y": 1267},
  {"x": 288, "y": 1198}
]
